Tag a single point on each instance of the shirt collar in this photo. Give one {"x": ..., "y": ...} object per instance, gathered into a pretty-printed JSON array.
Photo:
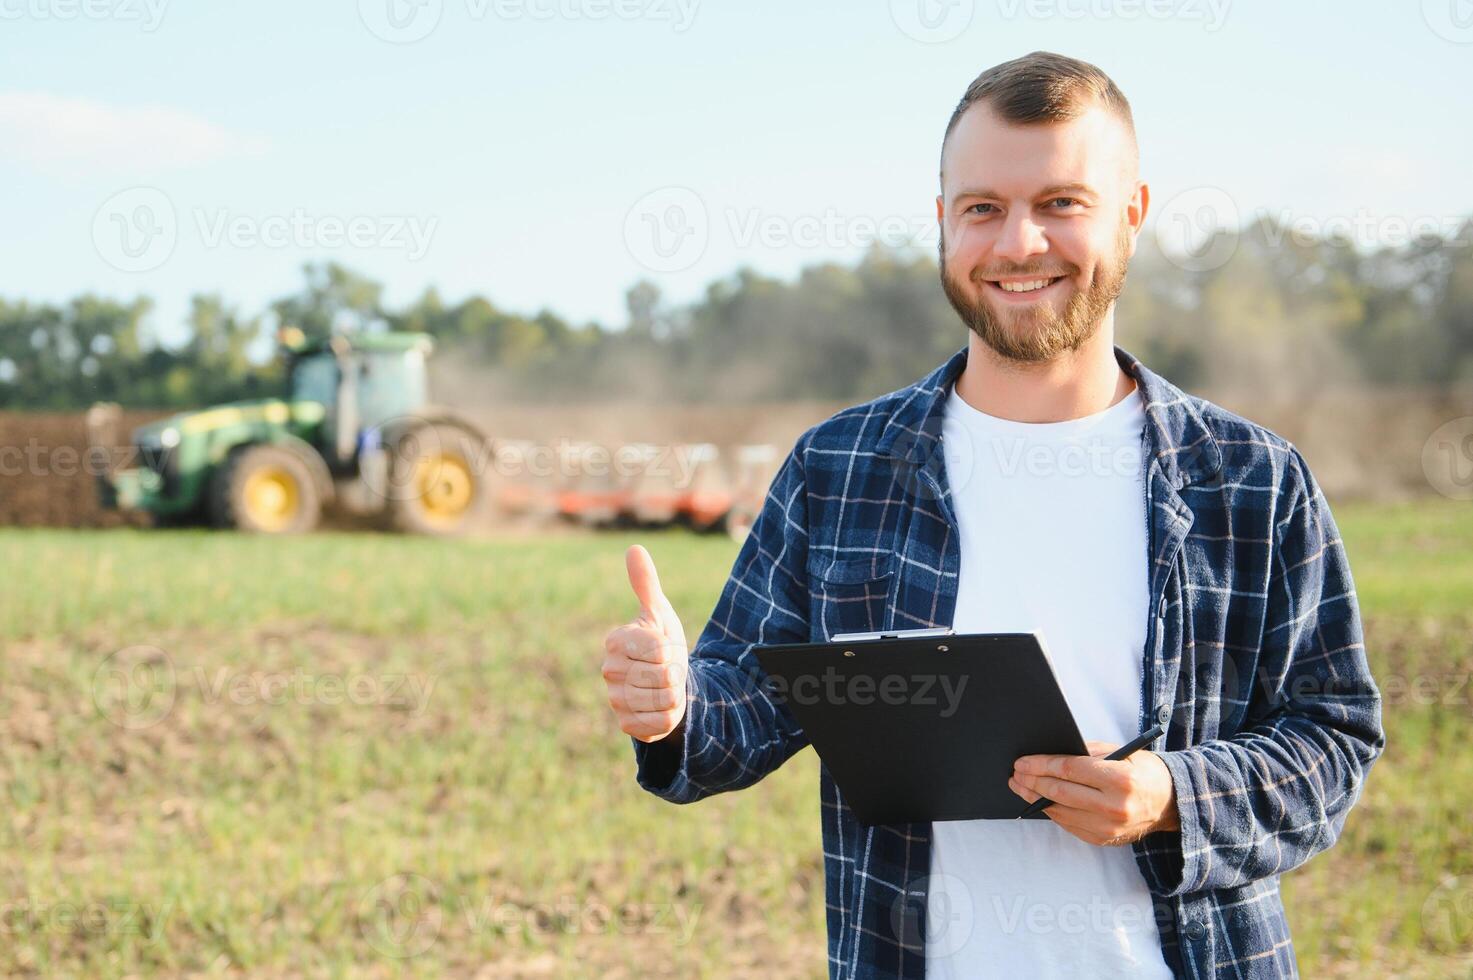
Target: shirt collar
[{"x": 1176, "y": 434}]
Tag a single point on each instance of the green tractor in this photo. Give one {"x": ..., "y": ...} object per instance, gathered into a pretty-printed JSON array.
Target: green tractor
[{"x": 356, "y": 432}]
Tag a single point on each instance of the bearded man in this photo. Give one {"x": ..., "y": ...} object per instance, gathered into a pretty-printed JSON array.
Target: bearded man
[{"x": 1180, "y": 559}]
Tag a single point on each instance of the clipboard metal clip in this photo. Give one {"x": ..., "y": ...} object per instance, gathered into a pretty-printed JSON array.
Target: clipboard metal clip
[{"x": 891, "y": 635}]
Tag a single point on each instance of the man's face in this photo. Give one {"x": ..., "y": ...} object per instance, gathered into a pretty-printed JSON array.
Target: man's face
[{"x": 1037, "y": 225}]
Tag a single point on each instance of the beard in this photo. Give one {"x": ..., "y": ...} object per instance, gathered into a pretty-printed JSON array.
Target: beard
[{"x": 1039, "y": 333}]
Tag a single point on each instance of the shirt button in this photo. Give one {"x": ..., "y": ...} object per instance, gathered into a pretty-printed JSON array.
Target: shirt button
[
  {"x": 1163, "y": 713},
  {"x": 1196, "y": 930}
]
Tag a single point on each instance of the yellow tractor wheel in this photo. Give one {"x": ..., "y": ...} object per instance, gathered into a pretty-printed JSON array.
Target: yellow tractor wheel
[
  {"x": 440, "y": 480},
  {"x": 265, "y": 489}
]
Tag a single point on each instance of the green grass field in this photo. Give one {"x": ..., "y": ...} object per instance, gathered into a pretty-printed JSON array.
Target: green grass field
[{"x": 374, "y": 755}]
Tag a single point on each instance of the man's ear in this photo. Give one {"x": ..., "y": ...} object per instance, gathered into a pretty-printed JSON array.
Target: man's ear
[
  {"x": 1140, "y": 201},
  {"x": 940, "y": 210},
  {"x": 1135, "y": 211}
]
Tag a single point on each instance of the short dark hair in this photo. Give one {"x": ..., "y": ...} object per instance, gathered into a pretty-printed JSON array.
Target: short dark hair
[{"x": 1043, "y": 87}]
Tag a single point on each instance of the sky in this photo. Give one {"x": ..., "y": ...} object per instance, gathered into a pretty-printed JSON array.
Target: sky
[{"x": 551, "y": 153}]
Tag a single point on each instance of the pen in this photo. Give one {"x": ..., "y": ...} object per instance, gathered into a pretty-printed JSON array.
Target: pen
[{"x": 1139, "y": 742}]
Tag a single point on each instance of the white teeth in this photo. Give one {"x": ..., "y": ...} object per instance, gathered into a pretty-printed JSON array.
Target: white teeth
[{"x": 1024, "y": 287}]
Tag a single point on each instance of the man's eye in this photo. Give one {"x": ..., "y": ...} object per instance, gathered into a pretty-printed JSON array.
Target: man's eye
[
  {"x": 974, "y": 207},
  {"x": 1068, "y": 201}
]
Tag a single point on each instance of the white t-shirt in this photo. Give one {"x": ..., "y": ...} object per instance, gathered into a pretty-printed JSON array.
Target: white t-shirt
[{"x": 1053, "y": 538}]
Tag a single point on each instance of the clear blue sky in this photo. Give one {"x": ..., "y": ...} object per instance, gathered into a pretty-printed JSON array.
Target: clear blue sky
[{"x": 521, "y": 133}]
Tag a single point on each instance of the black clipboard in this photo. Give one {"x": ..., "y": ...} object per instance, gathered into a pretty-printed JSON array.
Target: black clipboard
[{"x": 926, "y": 724}]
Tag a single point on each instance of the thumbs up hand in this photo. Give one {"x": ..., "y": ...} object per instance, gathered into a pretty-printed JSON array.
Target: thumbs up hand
[{"x": 645, "y": 662}]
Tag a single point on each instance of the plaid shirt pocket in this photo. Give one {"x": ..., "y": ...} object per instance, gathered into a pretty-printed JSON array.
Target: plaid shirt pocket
[{"x": 850, "y": 595}]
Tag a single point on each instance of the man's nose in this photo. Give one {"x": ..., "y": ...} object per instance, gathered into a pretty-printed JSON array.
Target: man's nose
[{"x": 1021, "y": 239}]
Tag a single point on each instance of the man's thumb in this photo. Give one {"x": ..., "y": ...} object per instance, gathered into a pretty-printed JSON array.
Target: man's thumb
[{"x": 646, "y": 583}]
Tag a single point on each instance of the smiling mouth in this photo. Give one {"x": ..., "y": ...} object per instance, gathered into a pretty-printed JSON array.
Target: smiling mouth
[{"x": 1023, "y": 287}]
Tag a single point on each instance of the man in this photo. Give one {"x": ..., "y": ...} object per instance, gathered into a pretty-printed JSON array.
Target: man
[{"x": 1180, "y": 560}]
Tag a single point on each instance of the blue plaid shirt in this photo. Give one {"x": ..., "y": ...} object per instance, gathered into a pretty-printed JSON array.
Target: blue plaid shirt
[{"x": 1254, "y": 656}]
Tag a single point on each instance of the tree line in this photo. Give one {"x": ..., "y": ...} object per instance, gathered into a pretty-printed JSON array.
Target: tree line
[{"x": 1284, "y": 309}]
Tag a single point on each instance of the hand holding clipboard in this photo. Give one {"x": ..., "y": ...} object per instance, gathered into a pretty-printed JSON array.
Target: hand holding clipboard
[
  {"x": 923, "y": 725},
  {"x": 1134, "y": 745}
]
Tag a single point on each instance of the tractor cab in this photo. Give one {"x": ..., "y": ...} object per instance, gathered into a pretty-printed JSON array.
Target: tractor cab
[{"x": 365, "y": 384}]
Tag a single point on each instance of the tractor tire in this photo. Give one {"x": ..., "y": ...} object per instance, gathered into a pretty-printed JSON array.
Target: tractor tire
[
  {"x": 438, "y": 487},
  {"x": 265, "y": 489}
]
